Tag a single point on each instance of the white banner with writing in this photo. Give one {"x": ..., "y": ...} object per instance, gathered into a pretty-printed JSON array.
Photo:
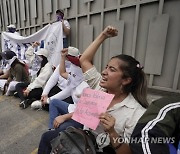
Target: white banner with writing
[{"x": 51, "y": 38}]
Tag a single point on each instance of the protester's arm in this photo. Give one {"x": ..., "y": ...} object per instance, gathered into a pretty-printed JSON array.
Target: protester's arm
[
  {"x": 62, "y": 118},
  {"x": 116, "y": 142},
  {"x": 108, "y": 123},
  {"x": 53, "y": 80},
  {"x": 35, "y": 44},
  {"x": 42, "y": 78},
  {"x": 30, "y": 52},
  {"x": 88, "y": 55},
  {"x": 5, "y": 75},
  {"x": 62, "y": 68},
  {"x": 124, "y": 149},
  {"x": 65, "y": 28},
  {"x": 65, "y": 93}
]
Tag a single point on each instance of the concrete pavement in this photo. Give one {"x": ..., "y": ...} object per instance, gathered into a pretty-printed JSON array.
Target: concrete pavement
[{"x": 20, "y": 129}]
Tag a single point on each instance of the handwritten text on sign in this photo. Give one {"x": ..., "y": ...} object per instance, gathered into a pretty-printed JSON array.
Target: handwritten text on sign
[{"x": 91, "y": 104}]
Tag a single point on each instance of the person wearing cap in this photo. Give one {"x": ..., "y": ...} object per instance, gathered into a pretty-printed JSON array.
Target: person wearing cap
[
  {"x": 8, "y": 54},
  {"x": 61, "y": 90},
  {"x": 54, "y": 85},
  {"x": 17, "y": 73},
  {"x": 31, "y": 92},
  {"x": 60, "y": 112},
  {"x": 12, "y": 29},
  {"x": 65, "y": 26},
  {"x": 5, "y": 56}
]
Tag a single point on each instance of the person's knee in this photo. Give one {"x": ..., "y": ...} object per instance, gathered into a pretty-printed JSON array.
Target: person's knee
[
  {"x": 54, "y": 102},
  {"x": 48, "y": 136},
  {"x": 45, "y": 138},
  {"x": 44, "y": 144}
]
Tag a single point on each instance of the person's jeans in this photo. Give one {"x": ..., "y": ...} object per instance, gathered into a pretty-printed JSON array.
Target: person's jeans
[
  {"x": 45, "y": 145},
  {"x": 65, "y": 43},
  {"x": 56, "y": 108}
]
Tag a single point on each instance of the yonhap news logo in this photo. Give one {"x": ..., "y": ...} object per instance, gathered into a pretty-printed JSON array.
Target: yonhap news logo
[{"x": 151, "y": 140}]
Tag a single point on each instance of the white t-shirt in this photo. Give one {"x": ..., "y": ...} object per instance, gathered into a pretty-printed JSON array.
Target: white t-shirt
[
  {"x": 66, "y": 23},
  {"x": 56, "y": 78},
  {"x": 76, "y": 94}
]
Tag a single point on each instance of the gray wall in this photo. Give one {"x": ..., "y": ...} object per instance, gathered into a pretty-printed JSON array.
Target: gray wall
[{"x": 148, "y": 30}]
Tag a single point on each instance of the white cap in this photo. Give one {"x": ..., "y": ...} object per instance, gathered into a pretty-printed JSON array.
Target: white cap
[
  {"x": 12, "y": 60},
  {"x": 11, "y": 26},
  {"x": 42, "y": 52},
  {"x": 73, "y": 51}
]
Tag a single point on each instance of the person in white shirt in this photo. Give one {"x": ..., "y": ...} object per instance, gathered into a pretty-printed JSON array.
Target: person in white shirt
[
  {"x": 31, "y": 92},
  {"x": 60, "y": 112},
  {"x": 57, "y": 86},
  {"x": 15, "y": 71},
  {"x": 123, "y": 77},
  {"x": 65, "y": 25},
  {"x": 5, "y": 68}
]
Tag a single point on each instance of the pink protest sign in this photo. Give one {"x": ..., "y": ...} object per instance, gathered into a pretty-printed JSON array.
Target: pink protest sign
[{"x": 91, "y": 104}]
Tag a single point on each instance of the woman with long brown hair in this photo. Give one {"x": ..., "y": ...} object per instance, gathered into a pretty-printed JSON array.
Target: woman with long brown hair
[{"x": 123, "y": 77}]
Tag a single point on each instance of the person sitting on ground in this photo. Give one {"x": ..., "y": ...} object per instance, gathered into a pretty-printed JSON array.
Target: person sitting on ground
[
  {"x": 123, "y": 77},
  {"x": 158, "y": 130},
  {"x": 51, "y": 91},
  {"x": 31, "y": 92},
  {"x": 17, "y": 73},
  {"x": 54, "y": 85},
  {"x": 1, "y": 71},
  {"x": 4, "y": 69},
  {"x": 60, "y": 112}
]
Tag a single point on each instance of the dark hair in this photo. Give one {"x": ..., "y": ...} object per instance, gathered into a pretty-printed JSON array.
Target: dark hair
[
  {"x": 0, "y": 57},
  {"x": 43, "y": 63},
  {"x": 138, "y": 86},
  {"x": 60, "y": 11}
]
